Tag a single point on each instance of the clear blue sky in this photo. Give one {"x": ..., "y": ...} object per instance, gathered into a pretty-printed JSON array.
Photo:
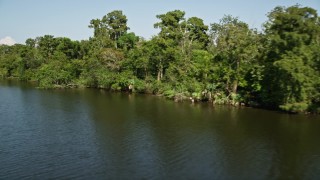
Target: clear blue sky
[{"x": 22, "y": 19}]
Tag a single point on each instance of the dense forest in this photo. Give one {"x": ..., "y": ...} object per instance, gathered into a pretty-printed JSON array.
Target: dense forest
[{"x": 223, "y": 63}]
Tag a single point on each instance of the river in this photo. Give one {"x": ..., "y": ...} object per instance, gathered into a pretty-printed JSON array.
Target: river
[{"x": 94, "y": 134}]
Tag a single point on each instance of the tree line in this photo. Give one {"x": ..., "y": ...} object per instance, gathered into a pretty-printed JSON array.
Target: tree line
[{"x": 223, "y": 63}]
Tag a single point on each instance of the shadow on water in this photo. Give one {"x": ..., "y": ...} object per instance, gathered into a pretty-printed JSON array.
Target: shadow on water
[
  {"x": 199, "y": 141},
  {"x": 92, "y": 133}
]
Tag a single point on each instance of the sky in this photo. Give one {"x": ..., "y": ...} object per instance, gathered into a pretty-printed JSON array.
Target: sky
[{"x": 23, "y": 19}]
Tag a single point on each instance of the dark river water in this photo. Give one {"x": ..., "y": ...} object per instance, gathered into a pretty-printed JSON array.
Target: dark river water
[{"x": 94, "y": 134}]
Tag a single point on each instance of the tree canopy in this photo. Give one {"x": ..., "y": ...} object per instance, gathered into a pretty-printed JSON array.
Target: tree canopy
[{"x": 225, "y": 62}]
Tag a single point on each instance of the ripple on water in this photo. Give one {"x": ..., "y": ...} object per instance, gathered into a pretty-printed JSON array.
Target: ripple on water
[{"x": 82, "y": 134}]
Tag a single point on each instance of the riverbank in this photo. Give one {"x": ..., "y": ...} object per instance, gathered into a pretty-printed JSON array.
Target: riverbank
[{"x": 172, "y": 95}]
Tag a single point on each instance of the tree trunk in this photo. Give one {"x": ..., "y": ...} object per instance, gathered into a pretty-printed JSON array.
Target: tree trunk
[
  {"x": 159, "y": 74},
  {"x": 235, "y": 82},
  {"x": 145, "y": 73},
  {"x": 235, "y": 86}
]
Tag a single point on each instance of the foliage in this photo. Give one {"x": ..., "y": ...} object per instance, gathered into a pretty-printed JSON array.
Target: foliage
[
  {"x": 228, "y": 63},
  {"x": 292, "y": 76}
]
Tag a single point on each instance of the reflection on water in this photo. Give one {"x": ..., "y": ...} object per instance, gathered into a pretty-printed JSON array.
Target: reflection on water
[{"x": 86, "y": 133}]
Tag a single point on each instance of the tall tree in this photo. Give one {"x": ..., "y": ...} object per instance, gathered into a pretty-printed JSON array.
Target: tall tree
[
  {"x": 116, "y": 24},
  {"x": 47, "y": 45},
  {"x": 292, "y": 74},
  {"x": 198, "y": 32},
  {"x": 171, "y": 25},
  {"x": 110, "y": 28},
  {"x": 234, "y": 46}
]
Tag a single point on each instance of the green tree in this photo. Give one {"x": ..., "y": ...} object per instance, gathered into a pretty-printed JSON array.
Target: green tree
[
  {"x": 171, "y": 25},
  {"x": 292, "y": 74},
  {"x": 46, "y": 45},
  {"x": 235, "y": 48},
  {"x": 127, "y": 41},
  {"x": 197, "y": 32},
  {"x": 58, "y": 72},
  {"x": 109, "y": 29},
  {"x": 116, "y": 24},
  {"x": 138, "y": 58}
]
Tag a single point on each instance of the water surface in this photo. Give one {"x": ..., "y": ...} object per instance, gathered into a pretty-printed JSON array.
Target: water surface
[{"x": 94, "y": 134}]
